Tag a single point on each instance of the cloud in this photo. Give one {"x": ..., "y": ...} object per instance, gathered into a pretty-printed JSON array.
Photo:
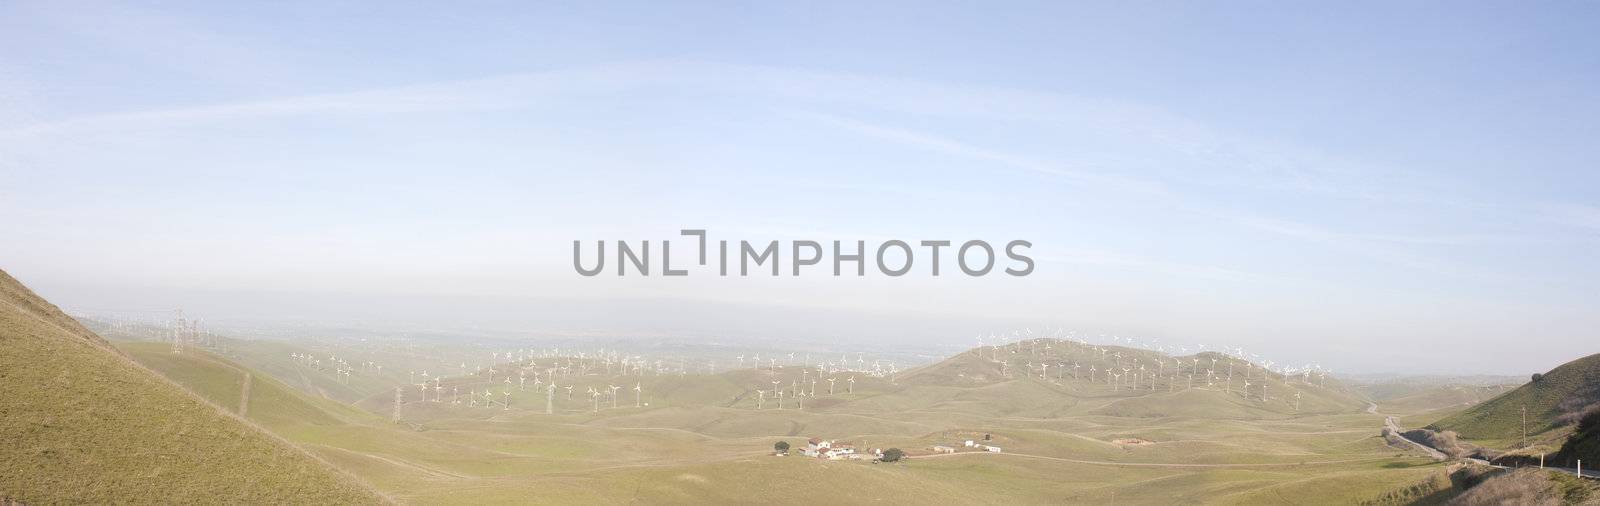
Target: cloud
[{"x": 953, "y": 147}]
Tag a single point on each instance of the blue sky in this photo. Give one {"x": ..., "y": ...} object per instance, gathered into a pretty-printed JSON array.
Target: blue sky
[{"x": 1311, "y": 182}]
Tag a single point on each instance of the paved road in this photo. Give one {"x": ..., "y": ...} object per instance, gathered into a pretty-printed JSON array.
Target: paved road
[
  {"x": 1389, "y": 421},
  {"x": 244, "y": 396},
  {"x": 1152, "y": 464}
]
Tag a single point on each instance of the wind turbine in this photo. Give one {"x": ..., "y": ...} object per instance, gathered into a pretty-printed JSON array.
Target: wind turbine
[
  {"x": 852, "y": 384},
  {"x": 638, "y": 394},
  {"x": 830, "y": 385}
]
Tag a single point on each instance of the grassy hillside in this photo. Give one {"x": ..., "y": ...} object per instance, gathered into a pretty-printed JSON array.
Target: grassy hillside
[
  {"x": 84, "y": 424},
  {"x": 1552, "y": 402},
  {"x": 699, "y": 438}
]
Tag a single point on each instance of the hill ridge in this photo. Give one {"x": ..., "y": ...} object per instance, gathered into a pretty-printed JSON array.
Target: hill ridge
[{"x": 92, "y": 425}]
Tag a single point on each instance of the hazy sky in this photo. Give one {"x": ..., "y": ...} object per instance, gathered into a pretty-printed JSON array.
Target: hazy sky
[{"x": 1369, "y": 186}]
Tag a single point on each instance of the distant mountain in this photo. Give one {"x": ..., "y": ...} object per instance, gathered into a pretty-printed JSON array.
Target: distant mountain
[
  {"x": 1431, "y": 380},
  {"x": 1553, "y": 400},
  {"x": 1049, "y": 377},
  {"x": 82, "y": 423}
]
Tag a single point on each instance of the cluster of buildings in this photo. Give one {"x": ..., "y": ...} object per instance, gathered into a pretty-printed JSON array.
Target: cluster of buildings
[
  {"x": 831, "y": 450},
  {"x": 969, "y": 444},
  {"x": 835, "y": 450}
]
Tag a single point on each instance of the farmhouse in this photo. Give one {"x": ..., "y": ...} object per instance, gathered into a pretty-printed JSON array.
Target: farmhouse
[
  {"x": 831, "y": 450},
  {"x": 943, "y": 449}
]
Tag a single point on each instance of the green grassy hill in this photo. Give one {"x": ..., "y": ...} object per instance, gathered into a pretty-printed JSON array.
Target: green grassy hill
[
  {"x": 271, "y": 404},
  {"x": 85, "y": 424},
  {"x": 1550, "y": 401},
  {"x": 700, "y": 439}
]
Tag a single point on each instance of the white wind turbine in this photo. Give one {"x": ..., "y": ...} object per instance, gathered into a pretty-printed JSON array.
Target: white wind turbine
[
  {"x": 830, "y": 385},
  {"x": 638, "y": 394},
  {"x": 852, "y": 384}
]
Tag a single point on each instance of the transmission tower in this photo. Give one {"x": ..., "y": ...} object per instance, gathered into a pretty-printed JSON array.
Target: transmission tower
[
  {"x": 550, "y": 399},
  {"x": 178, "y": 327}
]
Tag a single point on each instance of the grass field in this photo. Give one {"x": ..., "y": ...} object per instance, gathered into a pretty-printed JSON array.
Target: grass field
[{"x": 698, "y": 438}]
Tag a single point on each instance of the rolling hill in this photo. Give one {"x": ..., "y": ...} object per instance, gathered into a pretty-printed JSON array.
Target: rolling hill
[
  {"x": 85, "y": 424},
  {"x": 699, "y": 438},
  {"x": 1553, "y": 401},
  {"x": 1014, "y": 380}
]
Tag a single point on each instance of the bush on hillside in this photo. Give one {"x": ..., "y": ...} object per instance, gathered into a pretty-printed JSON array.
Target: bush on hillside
[
  {"x": 1526, "y": 486},
  {"x": 1584, "y": 443},
  {"x": 1576, "y": 404},
  {"x": 1446, "y": 442}
]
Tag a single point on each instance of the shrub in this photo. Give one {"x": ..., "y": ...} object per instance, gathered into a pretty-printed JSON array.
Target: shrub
[{"x": 892, "y": 455}]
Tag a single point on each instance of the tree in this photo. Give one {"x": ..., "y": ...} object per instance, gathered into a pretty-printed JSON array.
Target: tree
[
  {"x": 781, "y": 447},
  {"x": 892, "y": 455},
  {"x": 1537, "y": 377}
]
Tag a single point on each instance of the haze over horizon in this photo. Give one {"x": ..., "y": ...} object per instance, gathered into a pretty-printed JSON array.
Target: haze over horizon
[{"x": 1312, "y": 183}]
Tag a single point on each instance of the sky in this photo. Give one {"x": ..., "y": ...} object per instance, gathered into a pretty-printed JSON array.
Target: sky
[{"x": 1366, "y": 186}]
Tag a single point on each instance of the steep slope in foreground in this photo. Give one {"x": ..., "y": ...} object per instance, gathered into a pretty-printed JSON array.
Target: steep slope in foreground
[
  {"x": 84, "y": 424},
  {"x": 1554, "y": 400}
]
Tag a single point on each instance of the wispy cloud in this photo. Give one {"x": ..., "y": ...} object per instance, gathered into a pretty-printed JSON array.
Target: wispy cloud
[
  {"x": 957, "y": 148},
  {"x": 1079, "y": 256}
]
